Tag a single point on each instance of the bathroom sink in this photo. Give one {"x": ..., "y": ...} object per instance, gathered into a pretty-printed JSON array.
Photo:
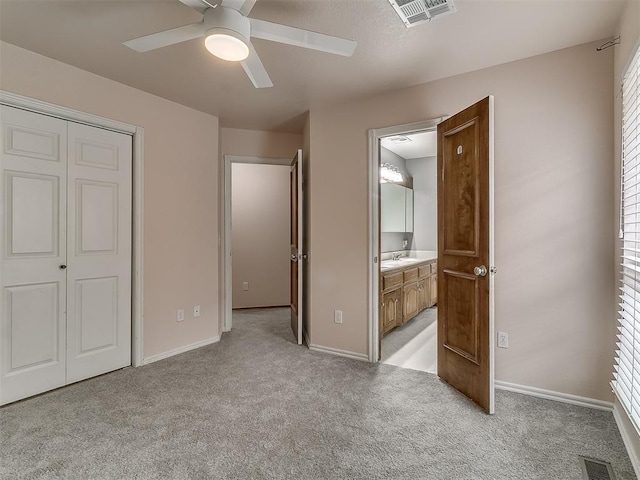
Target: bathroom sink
[{"x": 401, "y": 262}]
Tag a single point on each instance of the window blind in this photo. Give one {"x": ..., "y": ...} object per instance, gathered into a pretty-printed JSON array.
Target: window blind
[{"x": 626, "y": 383}]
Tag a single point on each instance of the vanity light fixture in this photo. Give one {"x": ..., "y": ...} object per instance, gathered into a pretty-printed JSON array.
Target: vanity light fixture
[{"x": 389, "y": 173}]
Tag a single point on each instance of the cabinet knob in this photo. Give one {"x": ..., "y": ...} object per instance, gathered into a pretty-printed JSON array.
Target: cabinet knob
[{"x": 62, "y": 267}]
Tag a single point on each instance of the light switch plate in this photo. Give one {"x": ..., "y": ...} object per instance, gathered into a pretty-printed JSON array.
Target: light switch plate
[{"x": 196, "y": 311}]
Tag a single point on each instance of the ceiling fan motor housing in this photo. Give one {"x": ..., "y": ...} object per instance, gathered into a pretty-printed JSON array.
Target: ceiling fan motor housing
[{"x": 227, "y": 21}]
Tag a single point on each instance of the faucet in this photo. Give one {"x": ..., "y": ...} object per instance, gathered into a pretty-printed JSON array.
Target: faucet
[{"x": 396, "y": 256}]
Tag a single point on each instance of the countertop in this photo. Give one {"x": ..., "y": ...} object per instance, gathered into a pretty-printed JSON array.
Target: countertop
[{"x": 414, "y": 258}]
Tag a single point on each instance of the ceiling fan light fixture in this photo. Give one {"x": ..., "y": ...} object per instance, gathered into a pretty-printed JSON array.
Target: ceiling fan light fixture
[
  {"x": 227, "y": 33},
  {"x": 226, "y": 45}
]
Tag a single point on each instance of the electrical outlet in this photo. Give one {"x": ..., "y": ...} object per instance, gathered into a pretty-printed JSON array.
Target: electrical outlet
[
  {"x": 337, "y": 316},
  {"x": 503, "y": 340},
  {"x": 180, "y": 315},
  {"x": 245, "y": 286},
  {"x": 196, "y": 311}
]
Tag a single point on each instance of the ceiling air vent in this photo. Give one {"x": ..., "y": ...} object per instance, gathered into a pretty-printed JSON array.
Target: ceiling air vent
[
  {"x": 415, "y": 12},
  {"x": 593, "y": 469}
]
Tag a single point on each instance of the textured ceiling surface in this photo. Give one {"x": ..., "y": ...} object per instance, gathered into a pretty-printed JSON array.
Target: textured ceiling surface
[
  {"x": 89, "y": 34},
  {"x": 415, "y": 145}
]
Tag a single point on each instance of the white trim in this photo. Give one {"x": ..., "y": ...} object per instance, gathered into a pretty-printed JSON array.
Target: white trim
[
  {"x": 627, "y": 434},
  {"x": 137, "y": 280},
  {"x": 225, "y": 261},
  {"x": 492, "y": 263},
  {"x": 340, "y": 353},
  {"x": 38, "y": 106},
  {"x": 374, "y": 136},
  {"x": 296, "y": 164},
  {"x": 373, "y": 235},
  {"x": 177, "y": 351},
  {"x": 556, "y": 396},
  {"x": 137, "y": 257}
]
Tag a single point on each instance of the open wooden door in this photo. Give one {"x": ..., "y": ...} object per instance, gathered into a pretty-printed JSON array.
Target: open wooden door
[
  {"x": 465, "y": 253},
  {"x": 297, "y": 258}
]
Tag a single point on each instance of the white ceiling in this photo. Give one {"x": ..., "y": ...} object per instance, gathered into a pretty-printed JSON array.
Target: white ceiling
[
  {"x": 88, "y": 34},
  {"x": 420, "y": 145}
]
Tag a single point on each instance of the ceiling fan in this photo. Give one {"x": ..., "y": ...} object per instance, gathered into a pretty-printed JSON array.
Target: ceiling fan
[{"x": 227, "y": 31}]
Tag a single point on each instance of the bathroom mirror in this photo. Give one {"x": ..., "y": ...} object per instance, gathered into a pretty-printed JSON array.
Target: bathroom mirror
[{"x": 396, "y": 208}]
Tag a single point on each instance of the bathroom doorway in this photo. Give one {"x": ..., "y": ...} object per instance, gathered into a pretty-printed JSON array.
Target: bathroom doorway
[
  {"x": 465, "y": 253},
  {"x": 408, "y": 250},
  {"x": 408, "y": 243}
]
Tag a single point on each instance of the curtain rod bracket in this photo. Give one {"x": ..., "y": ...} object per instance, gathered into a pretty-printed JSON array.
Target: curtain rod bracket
[{"x": 610, "y": 43}]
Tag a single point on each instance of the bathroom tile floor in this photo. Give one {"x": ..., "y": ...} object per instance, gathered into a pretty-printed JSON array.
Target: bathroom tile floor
[{"x": 413, "y": 345}]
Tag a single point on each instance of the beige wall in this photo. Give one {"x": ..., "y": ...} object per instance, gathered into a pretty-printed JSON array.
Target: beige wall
[
  {"x": 254, "y": 143},
  {"x": 554, "y": 197},
  {"x": 260, "y": 235},
  {"x": 629, "y": 31},
  {"x": 180, "y": 195}
]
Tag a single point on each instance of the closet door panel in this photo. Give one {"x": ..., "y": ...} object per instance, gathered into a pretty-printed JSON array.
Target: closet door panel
[
  {"x": 99, "y": 252},
  {"x": 33, "y": 170}
]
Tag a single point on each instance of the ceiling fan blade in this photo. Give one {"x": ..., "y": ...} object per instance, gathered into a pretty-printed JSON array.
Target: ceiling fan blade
[
  {"x": 201, "y": 5},
  {"x": 255, "y": 70},
  {"x": 168, "y": 37},
  {"x": 301, "y": 38},
  {"x": 243, "y": 6}
]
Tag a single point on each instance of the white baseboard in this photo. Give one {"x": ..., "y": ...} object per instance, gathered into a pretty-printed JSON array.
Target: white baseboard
[
  {"x": 176, "y": 351},
  {"x": 557, "y": 396},
  {"x": 340, "y": 353},
  {"x": 626, "y": 432}
]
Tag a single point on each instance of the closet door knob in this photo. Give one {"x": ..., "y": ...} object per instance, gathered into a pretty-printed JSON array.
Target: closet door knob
[{"x": 63, "y": 267}]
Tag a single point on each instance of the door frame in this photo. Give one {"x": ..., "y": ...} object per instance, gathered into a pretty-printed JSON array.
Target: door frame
[
  {"x": 137, "y": 251},
  {"x": 374, "y": 136},
  {"x": 226, "y": 259}
]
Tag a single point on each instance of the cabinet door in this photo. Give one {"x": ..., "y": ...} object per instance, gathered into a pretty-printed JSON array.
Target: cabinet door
[
  {"x": 410, "y": 301},
  {"x": 390, "y": 316},
  {"x": 434, "y": 290},
  {"x": 424, "y": 289},
  {"x": 392, "y": 208},
  {"x": 408, "y": 210}
]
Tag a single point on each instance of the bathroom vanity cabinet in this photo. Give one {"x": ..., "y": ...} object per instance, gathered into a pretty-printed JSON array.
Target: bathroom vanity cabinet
[{"x": 405, "y": 291}]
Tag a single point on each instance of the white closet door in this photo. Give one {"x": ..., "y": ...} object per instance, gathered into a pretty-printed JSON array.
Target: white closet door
[
  {"x": 98, "y": 252},
  {"x": 33, "y": 168}
]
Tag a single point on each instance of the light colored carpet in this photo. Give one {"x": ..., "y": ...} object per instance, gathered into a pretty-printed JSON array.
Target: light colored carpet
[{"x": 256, "y": 406}]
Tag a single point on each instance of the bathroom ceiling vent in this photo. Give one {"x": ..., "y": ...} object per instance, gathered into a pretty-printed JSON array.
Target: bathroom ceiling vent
[
  {"x": 398, "y": 139},
  {"x": 415, "y": 12}
]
